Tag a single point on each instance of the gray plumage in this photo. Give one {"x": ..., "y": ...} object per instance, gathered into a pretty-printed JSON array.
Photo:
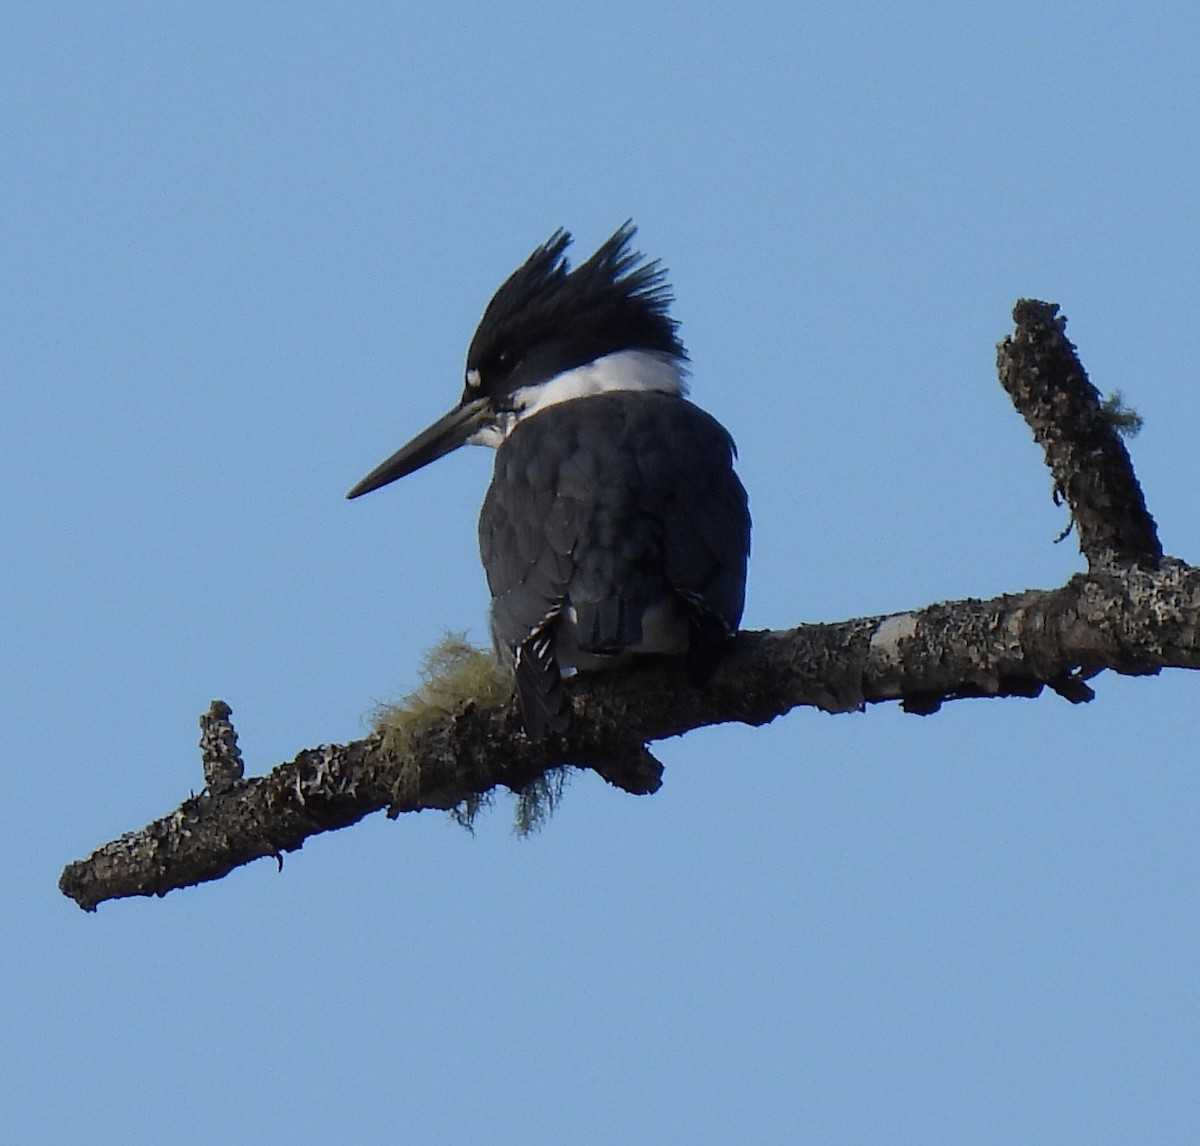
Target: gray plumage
[{"x": 614, "y": 526}]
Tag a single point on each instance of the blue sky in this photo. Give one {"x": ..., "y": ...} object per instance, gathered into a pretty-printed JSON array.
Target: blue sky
[{"x": 243, "y": 250}]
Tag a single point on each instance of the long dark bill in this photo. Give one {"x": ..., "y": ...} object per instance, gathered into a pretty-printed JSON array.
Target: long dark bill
[{"x": 448, "y": 433}]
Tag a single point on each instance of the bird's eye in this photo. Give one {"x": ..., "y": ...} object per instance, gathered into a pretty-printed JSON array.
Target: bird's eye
[{"x": 506, "y": 359}]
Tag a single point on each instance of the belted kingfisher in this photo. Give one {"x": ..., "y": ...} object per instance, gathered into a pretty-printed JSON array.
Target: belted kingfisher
[{"x": 615, "y": 525}]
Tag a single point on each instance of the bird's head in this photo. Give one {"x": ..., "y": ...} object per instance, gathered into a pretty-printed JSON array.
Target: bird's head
[{"x": 550, "y": 333}]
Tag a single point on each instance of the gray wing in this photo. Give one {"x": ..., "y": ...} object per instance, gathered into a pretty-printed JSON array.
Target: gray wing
[{"x": 602, "y": 508}]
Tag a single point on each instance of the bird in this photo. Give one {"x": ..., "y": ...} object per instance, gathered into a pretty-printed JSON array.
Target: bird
[{"x": 615, "y": 526}]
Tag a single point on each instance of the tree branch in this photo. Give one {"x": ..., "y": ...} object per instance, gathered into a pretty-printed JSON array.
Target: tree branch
[
  {"x": 1092, "y": 471},
  {"x": 1134, "y": 612}
]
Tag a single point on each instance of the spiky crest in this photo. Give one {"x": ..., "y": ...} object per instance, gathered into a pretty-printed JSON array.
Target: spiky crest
[{"x": 548, "y": 317}]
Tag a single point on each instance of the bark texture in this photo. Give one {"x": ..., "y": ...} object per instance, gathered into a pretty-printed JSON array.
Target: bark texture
[{"x": 1133, "y": 612}]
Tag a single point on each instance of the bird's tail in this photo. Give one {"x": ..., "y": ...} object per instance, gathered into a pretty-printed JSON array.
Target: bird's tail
[{"x": 545, "y": 706}]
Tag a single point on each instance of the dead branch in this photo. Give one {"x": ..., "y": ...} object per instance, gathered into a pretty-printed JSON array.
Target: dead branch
[{"x": 1134, "y": 612}]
